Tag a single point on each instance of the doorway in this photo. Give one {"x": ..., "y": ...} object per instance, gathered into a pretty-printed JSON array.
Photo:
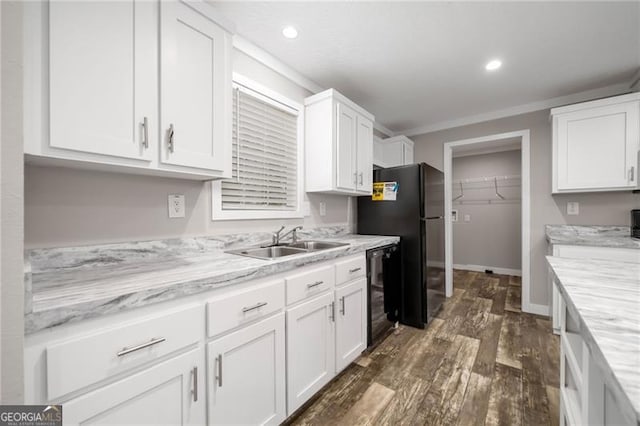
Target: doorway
[{"x": 487, "y": 144}]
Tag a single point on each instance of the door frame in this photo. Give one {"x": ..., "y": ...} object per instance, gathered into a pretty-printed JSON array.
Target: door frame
[{"x": 524, "y": 136}]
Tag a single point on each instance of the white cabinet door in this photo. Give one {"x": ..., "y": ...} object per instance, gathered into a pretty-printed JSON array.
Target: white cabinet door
[
  {"x": 310, "y": 349},
  {"x": 364, "y": 153},
  {"x": 102, "y": 77},
  {"x": 407, "y": 153},
  {"x": 161, "y": 395},
  {"x": 247, "y": 375},
  {"x": 351, "y": 322},
  {"x": 195, "y": 89},
  {"x": 346, "y": 174},
  {"x": 597, "y": 148}
]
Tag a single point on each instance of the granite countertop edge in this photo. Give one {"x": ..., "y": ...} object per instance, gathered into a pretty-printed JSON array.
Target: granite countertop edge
[
  {"x": 591, "y": 340},
  {"x": 92, "y": 308},
  {"x": 613, "y": 236}
]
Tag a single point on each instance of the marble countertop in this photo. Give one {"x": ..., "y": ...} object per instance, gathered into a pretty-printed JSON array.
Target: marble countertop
[
  {"x": 599, "y": 236},
  {"x": 70, "y": 284},
  {"x": 605, "y": 296}
]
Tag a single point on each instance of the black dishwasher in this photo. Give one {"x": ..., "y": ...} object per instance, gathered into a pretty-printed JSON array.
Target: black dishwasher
[{"x": 383, "y": 285}]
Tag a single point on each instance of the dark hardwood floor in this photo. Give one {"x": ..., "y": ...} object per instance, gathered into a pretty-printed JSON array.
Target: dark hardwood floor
[{"x": 481, "y": 361}]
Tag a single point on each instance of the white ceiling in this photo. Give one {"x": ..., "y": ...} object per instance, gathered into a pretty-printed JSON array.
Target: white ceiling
[{"x": 413, "y": 64}]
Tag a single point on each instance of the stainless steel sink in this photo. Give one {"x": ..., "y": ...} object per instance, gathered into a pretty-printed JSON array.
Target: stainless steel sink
[
  {"x": 268, "y": 252},
  {"x": 315, "y": 245},
  {"x": 275, "y": 252}
]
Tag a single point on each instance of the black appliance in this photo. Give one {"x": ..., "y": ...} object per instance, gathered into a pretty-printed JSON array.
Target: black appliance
[
  {"x": 635, "y": 223},
  {"x": 417, "y": 216},
  {"x": 383, "y": 284}
]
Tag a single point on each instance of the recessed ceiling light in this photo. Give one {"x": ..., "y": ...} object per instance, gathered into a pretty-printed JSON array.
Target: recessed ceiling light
[
  {"x": 290, "y": 32},
  {"x": 493, "y": 65}
]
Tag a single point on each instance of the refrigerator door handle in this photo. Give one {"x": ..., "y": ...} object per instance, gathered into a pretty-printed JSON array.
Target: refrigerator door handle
[{"x": 432, "y": 217}]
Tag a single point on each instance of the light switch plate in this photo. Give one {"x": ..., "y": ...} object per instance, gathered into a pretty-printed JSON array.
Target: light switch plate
[
  {"x": 176, "y": 205},
  {"x": 467, "y": 218},
  {"x": 306, "y": 208},
  {"x": 573, "y": 208}
]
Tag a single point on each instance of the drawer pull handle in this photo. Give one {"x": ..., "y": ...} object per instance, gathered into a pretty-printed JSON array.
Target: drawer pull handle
[
  {"x": 316, "y": 284},
  {"x": 351, "y": 271},
  {"x": 152, "y": 342},
  {"x": 219, "y": 375},
  {"x": 251, "y": 308},
  {"x": 194, "y": 371}
]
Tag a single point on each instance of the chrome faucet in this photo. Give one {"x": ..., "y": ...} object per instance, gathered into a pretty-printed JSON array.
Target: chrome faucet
[{"x": 276, "y": 237}]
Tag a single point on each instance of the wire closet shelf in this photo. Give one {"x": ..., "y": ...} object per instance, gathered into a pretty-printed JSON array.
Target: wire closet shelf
[{"x": 503, "y": 189}]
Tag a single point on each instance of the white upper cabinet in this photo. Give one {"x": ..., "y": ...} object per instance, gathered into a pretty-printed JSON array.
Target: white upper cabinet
[
  {"x": 101, "y": 77},
  {"x": 397, "y": 151},
  {"x": 196, "y": 89},
  {"x": 595, "y": 145},
  {"x": 338, "y": 145},
  {"x": 106, "y": 80}
]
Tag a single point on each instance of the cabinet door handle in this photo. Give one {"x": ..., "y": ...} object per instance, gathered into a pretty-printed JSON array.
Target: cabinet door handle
[
  {"x": 145, "y": 132},
  {"x": 194, "y": 392},
  {"x": 332, "y": 311},
  {"x": 171, "y": 143},
  {"x": 316, "y": 284},
  {"x": 219, "y": 375},
  {"x": 152, "y": 342},
  {"x": 342, "y": 302},
  {"x": 632, "y": 173},
  {"x": 361, "y": 178},
  {"x": 251, "y": 308},
  {"x": 351, "y": 271},
  {"x": 355, "y": 178}
]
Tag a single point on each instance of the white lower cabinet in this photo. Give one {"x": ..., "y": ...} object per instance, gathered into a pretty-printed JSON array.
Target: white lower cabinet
[
  {"x": 246, "y": 375},
  {"x": 170, "y": 393},
  {"x": 264, "y": 357},
  {"x": 351, "y": 322},
  {"x": 310, "y": 348}
]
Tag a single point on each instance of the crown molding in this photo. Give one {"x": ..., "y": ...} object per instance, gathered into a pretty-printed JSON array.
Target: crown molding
[
  {"x": 602, "y": 92},
  {"x": 270, "y": 61},
  {"x": 384, "y": 130}
]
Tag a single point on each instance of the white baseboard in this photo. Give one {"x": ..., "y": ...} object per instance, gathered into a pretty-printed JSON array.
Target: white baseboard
[
  {"x": 533, "y": 308},
  {"x": 496, "y": 270}
]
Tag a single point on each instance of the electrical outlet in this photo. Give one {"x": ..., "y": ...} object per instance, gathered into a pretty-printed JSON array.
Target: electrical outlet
[
  {"x": 323, "y": 208},
  {"x": 176, "y": 205},
  {"x": 306, "y": 209},
  {"x": 573, "y": 208},
  {"x": 467, "y": 218}
]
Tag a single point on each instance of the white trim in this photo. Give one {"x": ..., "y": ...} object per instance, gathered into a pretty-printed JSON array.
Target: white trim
[
  {"x": 635, "y": 81},
  {"x": 265, "y": 58},
  {"x": 495, "y": 269},
  {"x": 524, "y": 136},
  {"x": 615, "y": 89},
  {"x": 534, "y": 308},
  {"x": 268, "y": 95}
]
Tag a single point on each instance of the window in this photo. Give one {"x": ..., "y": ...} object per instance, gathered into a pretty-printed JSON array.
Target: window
[{"x": 267, "y": 153}]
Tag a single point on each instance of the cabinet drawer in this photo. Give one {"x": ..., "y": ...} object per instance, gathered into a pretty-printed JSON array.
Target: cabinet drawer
[
  {"x": 309, "y": 283},
  {"x": 235, "y": 309},
  {"x": 76, "y": 363},
  {"x": 350, "y": 269}
]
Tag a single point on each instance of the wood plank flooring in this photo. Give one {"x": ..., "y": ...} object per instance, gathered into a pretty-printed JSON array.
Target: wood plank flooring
[{"x": 480, "y": 362}]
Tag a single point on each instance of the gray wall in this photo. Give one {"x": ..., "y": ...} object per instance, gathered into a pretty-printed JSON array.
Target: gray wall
[
  {"x": 598, "y": 208},
  {"x": 493, "y": 236},
  {"x": 11, "y": 206},
  {"x": 66, "y": 207}
]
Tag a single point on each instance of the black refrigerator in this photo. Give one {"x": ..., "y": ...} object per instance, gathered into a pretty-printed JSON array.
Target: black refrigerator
[{"x": 408, "y": 201}]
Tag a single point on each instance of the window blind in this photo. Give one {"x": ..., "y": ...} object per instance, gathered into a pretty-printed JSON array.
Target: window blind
[{"x": 265, "y": 155}]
